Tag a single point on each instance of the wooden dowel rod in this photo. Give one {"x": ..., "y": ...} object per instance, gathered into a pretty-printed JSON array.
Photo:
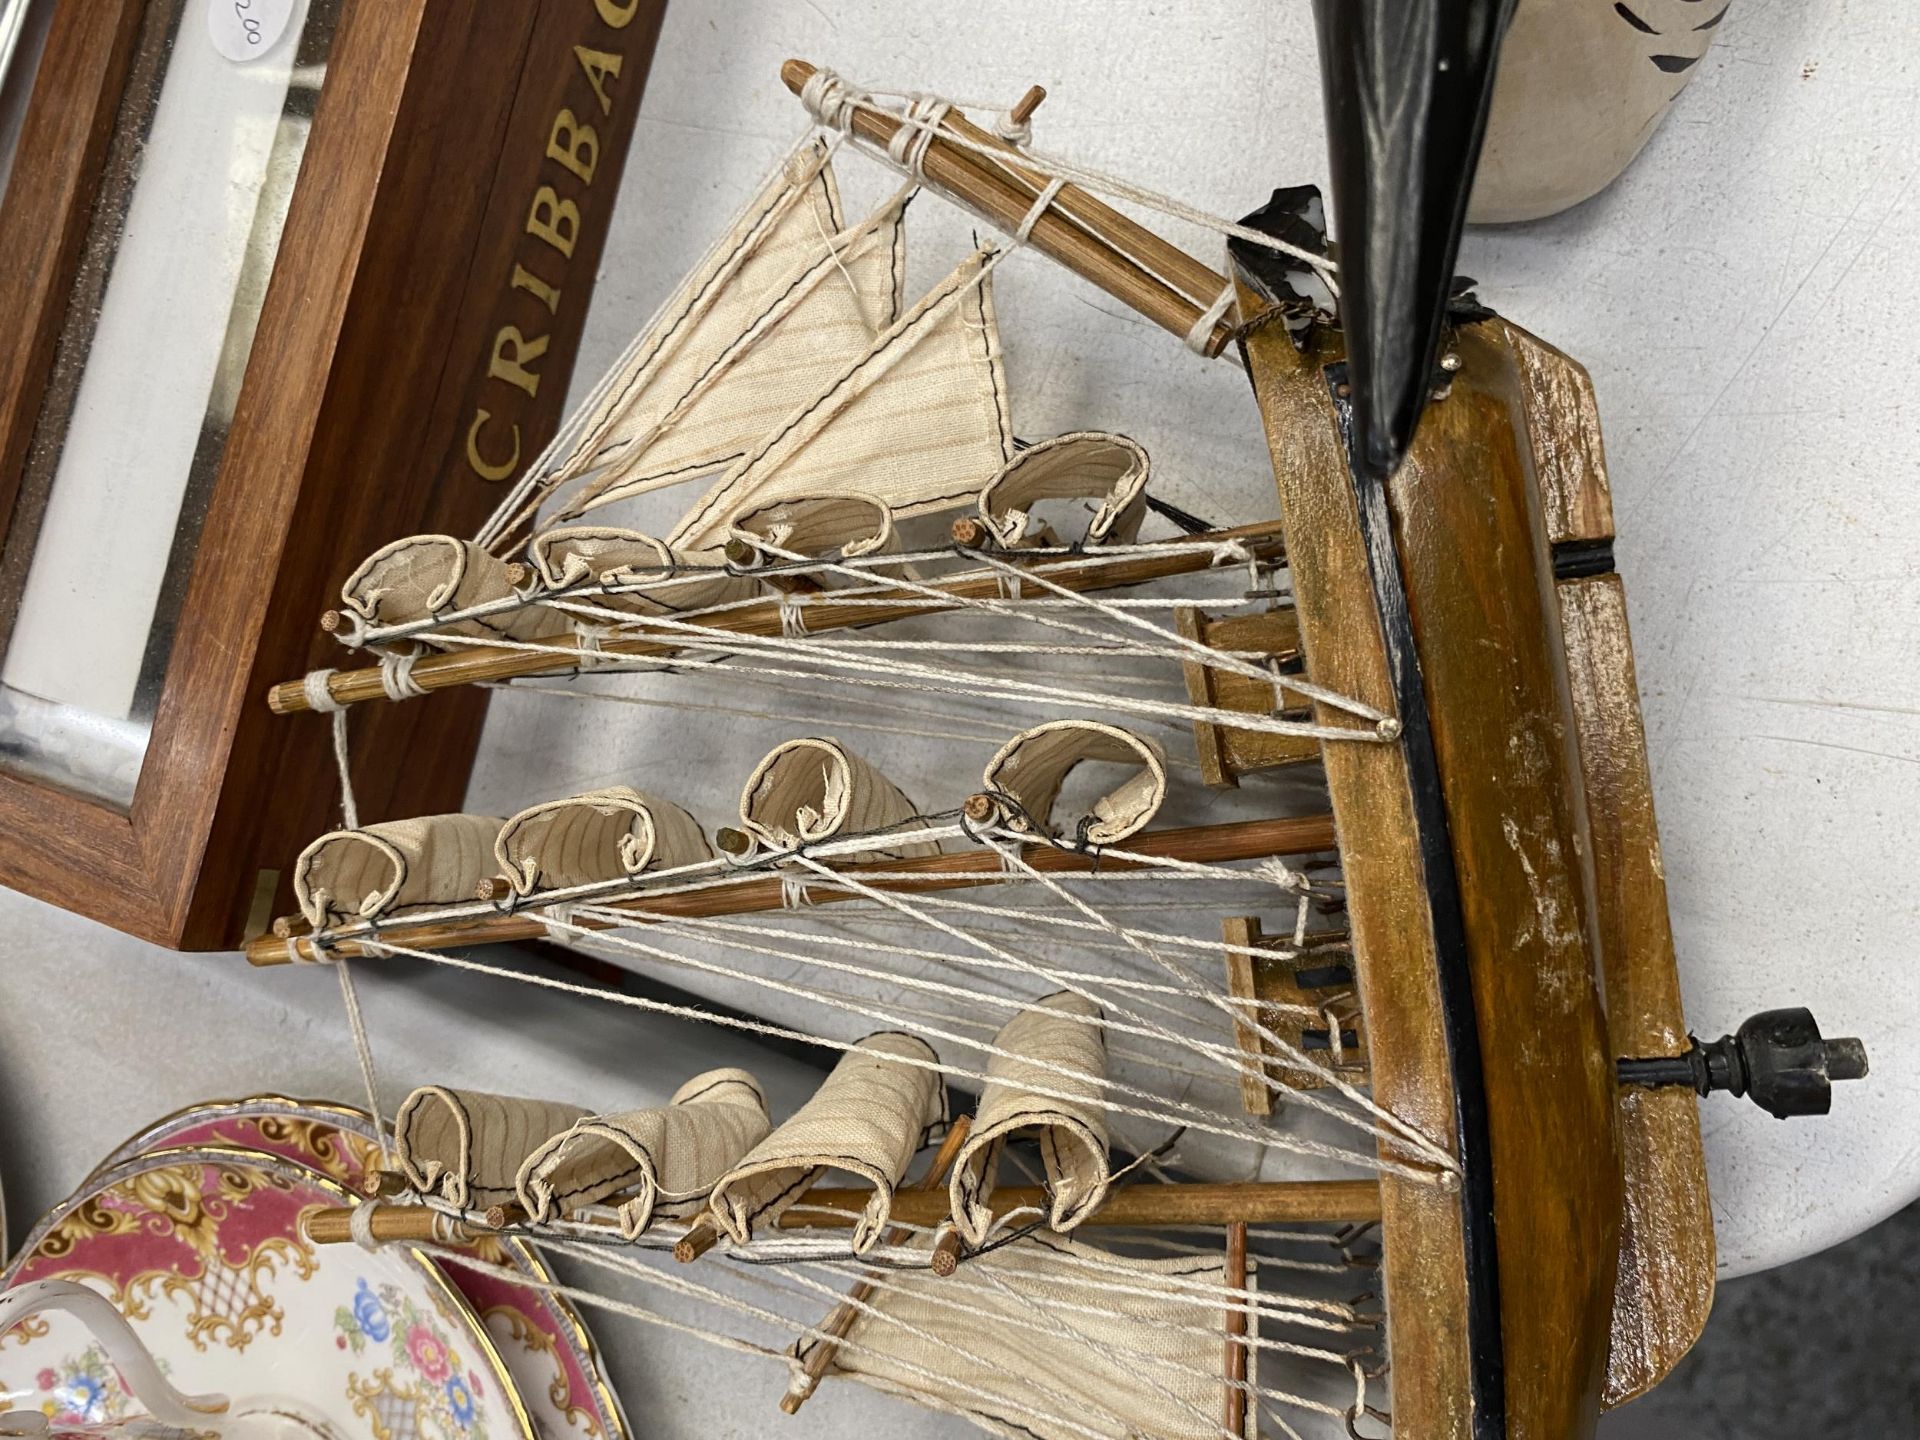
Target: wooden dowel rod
[
  {"x": 979, "y": 185},
  {"x": 408, "y": 1224},
  {"x": 1236, "y": 1357},
  {"x": 834, "y": 1329},
  {"x": 383, "y": 1184},
  {"x": 1147, "y": 1206},
  {"x": 1201, "y": 844},
  {"x": 701, "y": 1237},
  {"x": 1196, "y": 279},
  {"x": 1143, "y": 1205},
  {"x": 946, "y": 1254},
  {"x": 480, "y": 664}
]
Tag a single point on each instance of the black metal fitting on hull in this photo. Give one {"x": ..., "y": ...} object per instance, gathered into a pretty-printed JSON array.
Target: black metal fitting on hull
[{"x": 1777, "y": 1059}]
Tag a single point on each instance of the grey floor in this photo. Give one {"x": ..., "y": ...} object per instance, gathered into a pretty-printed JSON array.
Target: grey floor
[{"x": 1828, "y": 1345}]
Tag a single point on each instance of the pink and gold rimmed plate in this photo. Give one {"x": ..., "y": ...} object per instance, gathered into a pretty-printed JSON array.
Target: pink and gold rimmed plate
[
  {"x": 546, "y": 1344},
  {"x": 201, "y": 1250}
]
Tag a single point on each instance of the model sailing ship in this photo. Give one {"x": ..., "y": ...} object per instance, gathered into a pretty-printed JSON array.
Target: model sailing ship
[{"x": 1369, "y": 1111}]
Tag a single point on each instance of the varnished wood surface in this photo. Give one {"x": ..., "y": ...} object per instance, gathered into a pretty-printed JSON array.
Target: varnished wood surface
[
  {"x": 1665, "y": 1285},
  {"x": 1473, "y": 553},
  {"x": 386, "y": 245},
  {"x": 1423, "y": 1262},
  {"x": 49, "y": 202},
  {"x": 1203, "y": 844},
  {"x": 1568, "y": 457},
  {"x": 1226, "y": 752}
]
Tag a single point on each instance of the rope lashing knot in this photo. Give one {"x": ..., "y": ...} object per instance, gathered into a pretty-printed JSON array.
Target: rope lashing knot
[
  {"x": 360, "y": 1225},
  {"x": 793, "y": 625},
  {"x": 590, "y": 641},
  {"x": 1038, "y": 208},
  {"x": 1277, "y": 872},
  {"x": 1230, "y": 552},
  {"x": 319, "y": 948},
  {"x": 560, "y": 923},
  {"x": 351, "y": 631},
  {"x": 317, "y": 692},
  {"x": 1017, "y": 133},
  {"x": 396, "y": 675},
  {"x": 829, "y": 99},
  {"x": 908, "y": 147},
  {"x": 1202, "y": 331},
  {"x": 793, "y": 893}
]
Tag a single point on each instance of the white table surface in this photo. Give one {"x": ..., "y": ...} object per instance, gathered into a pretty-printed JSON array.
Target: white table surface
[{"x": 1748, "y": 305}]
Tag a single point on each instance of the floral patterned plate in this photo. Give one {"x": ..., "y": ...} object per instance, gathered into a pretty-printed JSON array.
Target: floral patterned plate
[
  {"x": 201, "y": 1250},
  {"x": 546, "y": 1345}
]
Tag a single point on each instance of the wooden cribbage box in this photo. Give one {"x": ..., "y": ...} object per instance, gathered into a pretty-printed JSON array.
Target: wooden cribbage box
[{"x": 413, "y": 321}]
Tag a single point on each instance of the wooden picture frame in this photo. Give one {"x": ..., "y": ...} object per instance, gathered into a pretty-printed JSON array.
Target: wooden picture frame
[{"x": 448, "y": 218}]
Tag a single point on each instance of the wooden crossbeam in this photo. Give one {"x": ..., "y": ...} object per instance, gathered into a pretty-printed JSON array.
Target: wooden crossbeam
[
  {"x": 877, "y": 605},
  {"x": 1202, "y": 844}
]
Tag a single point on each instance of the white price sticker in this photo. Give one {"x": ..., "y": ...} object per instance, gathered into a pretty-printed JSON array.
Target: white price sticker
[{"x": 244, "y": 30}]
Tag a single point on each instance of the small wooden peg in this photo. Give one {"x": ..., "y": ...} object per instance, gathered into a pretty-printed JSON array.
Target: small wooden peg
[
  {"x": 1236, "y": 1358},
  {"x": 1024, "y": 107},
  {"x": 969, "y": 532},
  {"x": 980, "y": 808},
  {"x": 498, "y": 1217},
  {"x": 700, "y": 1238},
  {"x": 383, "y": 1184},
  {"x": 734, "y": 842},
  {"x": 494, "y": 887},
  {"x": 946, "y": 1254}
]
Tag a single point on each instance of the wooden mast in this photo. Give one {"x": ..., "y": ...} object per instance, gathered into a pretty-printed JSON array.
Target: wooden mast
[{"x": 1081, "y": 232}]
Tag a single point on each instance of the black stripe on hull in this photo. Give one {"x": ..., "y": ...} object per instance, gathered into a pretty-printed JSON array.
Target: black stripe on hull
[{"x": 1485, "y": 1356}]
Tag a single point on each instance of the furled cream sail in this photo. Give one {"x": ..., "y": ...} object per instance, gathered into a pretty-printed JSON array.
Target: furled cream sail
[
  {"x": 869, "y": 1118},
  {"x": 1053, "y": 1333},
  {"x": 921, "y": 419},
  {"x": 397, "y": 865},
  {"x": 467, "y": 1147},
  {"x": 1110, "y": 471},
  {"x": 648, "y": 1163},
  {"x": 1049, "y": 1083},
  {"x": 811, "y": 790},
  {"x": 820, "y": 527},
  {"x": 600, "y": 835},
  {"x": 1032, "y": 766},
  {"x": 424, "y": 576},
  {"x": 609, "y": 555}
]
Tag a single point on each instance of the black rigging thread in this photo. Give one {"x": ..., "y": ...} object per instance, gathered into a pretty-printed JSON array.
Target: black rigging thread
[{"x": 1186, "y": 520}]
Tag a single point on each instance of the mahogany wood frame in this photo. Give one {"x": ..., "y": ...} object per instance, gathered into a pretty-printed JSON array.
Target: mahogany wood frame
[{"x": 390, "y": 286}]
